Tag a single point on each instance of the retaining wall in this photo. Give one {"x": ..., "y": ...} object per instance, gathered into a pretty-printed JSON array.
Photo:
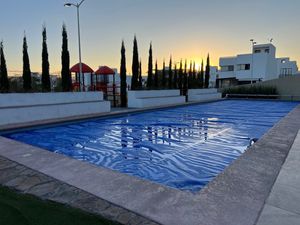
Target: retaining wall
[
  {"x": 145, "y": 99},
  {"x": 24, "y": 108},
  {"x": 203, "y": 95}
]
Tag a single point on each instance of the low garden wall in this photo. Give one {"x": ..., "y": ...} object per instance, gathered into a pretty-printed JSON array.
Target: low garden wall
[
  {"x": 144, "y": 99},
  {"x": 31, "y": 107},
  {"x": 203, "y": 95}
]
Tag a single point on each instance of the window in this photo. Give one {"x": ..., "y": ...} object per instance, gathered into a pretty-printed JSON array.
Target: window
[
  {"x": 286, "y": 72},
  {"x": 257, "y": 51},
  {"x": 267, "y": 50},
  {"x": 227, "y": 68},
  {"x": 243, "y": 67}
]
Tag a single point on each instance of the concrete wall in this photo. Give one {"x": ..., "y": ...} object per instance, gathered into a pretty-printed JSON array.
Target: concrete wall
[
  {"x": 289, "y": 86},
  {"x": 204, "y": 95},
  {"x": 144, "y": 99},
  {"x": 25, "y": 108},
  {"x": 22, "y": 99}
]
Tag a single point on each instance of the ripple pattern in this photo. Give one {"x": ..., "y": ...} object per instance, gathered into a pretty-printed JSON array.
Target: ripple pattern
[{"x": 183, "y": 148}]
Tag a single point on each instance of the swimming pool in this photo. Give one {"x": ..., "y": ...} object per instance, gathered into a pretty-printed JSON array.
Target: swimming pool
[{"x": 183, "y": 148}]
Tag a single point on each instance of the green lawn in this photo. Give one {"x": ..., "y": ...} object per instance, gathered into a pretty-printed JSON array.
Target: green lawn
[{"x": 19, "y": 209}]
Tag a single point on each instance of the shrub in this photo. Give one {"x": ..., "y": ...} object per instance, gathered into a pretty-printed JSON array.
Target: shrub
[{"x": 251, "y": 90}]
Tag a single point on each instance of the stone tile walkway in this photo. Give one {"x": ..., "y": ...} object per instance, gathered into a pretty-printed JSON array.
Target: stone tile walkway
[
  {"x": 25, "y": 180},
  {"x": 283, "y": 205}
]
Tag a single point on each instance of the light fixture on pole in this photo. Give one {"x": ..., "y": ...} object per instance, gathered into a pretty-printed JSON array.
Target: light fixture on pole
[
  {"x": 252, "y": 66},
  {"x": 79, "y": 41}
]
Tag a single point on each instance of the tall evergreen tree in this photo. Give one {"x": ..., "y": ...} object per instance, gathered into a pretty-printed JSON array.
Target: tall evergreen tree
[
  {"x": 4, "y": 83},
  {"x": 175, "y": 79},
  {"x": 194, "y": 76},
  {"x": 140, "y": 75},
  {"x": 46, "y": 84},
  {"x": 207, "y": 72},
  {"x": 185, "y": 78},
  {"x": 150, "y": 68},
  {"x": 201, "y": 76},
  {"x": 123, "y": 77},
  {"x": 190, "y": 77},
  {"x": 26, "y": 67},
  {"x": 156, "y": 82},
  {"x": 135, "y": 66},
  {"x": 163, "y": 79},
  {"x": 65, "y": 62},
  {"x": 170, "y": 82},
  {"x": 180, "y": 77}
]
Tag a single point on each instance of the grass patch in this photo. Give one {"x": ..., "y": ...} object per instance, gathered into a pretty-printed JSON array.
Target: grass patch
[{"x": 20, "y": 209}]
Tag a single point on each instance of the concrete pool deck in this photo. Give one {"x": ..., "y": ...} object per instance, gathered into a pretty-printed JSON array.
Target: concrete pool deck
[
  {"x": 283, "y": 205},
  {"x": 237, "y": 196}
]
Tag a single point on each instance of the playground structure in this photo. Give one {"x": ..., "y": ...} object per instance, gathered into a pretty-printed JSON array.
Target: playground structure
[{"x": 98, "y": 80}]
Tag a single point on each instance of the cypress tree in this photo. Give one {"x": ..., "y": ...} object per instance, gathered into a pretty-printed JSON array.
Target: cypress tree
[
  {"x": 150, "y": 68},
  {"x": 194, "y": 76},
  {"x": 201, "y": 76},
  {"x": 65, "y": 62},
  {"x": 185, "y": 78},
  {"x": 175, "y": 80},
  {"x": 207, "y": 72},
  {"x": 4, "y": 83},
  {"x": 170, "y": 74},
  {"x": 123, "y": 77},
  {"x": 140, "y": 75},
  {"x": 135, "y": 66},
  {"x": 156, "y": 84},
  {"x": 46, "y": 84},
  {"x": 190, "y": 78},
  {"x": 26, "y": 67},
  {"x": 164, "y": 80},
  {"x": 180, "y": 77}
]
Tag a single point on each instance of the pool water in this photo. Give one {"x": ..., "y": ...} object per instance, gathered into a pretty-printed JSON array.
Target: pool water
[{"x": 183, "y": 148}]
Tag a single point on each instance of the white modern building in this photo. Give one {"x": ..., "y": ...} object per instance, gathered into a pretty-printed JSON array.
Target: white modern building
[
  {"x": 213, "y": 76},
  {"x": 260, "y": 65}
]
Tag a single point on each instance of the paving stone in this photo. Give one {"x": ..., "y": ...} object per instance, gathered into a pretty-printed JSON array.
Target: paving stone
[
  {"x": 137, "y": 220},
  {"x": 43, "y": 190},
  {"x": 5, "y": 164},
  {"x": 285, "y": 197},
  {"x": 289, "y": 177},
  {"x": 64, "y": 194},
  {"x": 91, "y": 203},
  {"x": 125, "y": 217},
  {"x": 29, "y": 182},
  {"x": 10, "y": 174},
  {"x": 275, "y": 216}
]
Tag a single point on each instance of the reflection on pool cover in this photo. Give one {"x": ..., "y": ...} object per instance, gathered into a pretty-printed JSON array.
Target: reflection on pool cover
[{"x": 184, "y": 148}]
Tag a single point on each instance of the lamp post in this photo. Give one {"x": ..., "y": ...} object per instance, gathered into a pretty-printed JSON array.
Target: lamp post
[
  {"x": 252, "y": 66},
  {"x": 79, "y": 41}
]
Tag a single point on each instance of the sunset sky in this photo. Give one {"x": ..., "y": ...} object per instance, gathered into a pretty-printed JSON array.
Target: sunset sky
[{"x": 187, "y": 29}]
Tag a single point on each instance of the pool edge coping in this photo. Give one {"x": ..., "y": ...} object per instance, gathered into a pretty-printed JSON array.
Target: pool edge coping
[{"x": 185, "y": 205}]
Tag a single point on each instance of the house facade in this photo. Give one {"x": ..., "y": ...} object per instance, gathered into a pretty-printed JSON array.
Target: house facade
[{"x": 260, "y": 65}]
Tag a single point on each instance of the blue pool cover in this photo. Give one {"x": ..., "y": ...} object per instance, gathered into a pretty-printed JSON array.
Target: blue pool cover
[{"x": 184, "y": 147}]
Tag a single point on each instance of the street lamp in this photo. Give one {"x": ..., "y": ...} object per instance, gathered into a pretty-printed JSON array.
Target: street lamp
[
  {"x": 79, "y": 42},
  {"x": 252, "y": 66}
]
